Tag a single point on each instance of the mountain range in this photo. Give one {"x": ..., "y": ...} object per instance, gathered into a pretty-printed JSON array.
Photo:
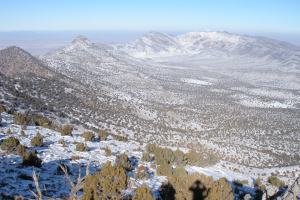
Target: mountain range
[{"x": 214, "y": 91}]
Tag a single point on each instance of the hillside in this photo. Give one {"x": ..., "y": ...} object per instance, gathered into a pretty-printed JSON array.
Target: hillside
[{"x": 234, "y": 117}]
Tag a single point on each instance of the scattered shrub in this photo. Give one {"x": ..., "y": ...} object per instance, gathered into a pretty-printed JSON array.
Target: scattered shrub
[
  {"x": 107, "y": 151},
  {"x": 196, "y": 186},
  {"x": 66, "y": 130},
  {"x": 146, "y": 157},
  {"x": 9, "y": 132},
  {"x": 220, "y": 189},
  {"x": 179, "y": 172},
  {"x": 88, "y": 136},
  {"x": 259, "y": 185},
  {"x": 124, "y": 162},
  {"x": 75, "y": 157},
  {"x": 273, "y": 180},
  {"x": 23, "y": 134},
  {"x": 164, "y": 169},
  {"x": 42, "y": 121},
  {"x": 120, "y": 138},
  {"x": 102, "y": 135},
  {"x": 143, "y": 193},
  {"x": 37, "y": 141},
  {"x": 10, "y": 144},
  {"x": 179, "y": 158},
  {"x": 2, "y": 108},
  {"x": 21, "y": 150},
  {"x": 105, "y": 184},
  {"x": 81, "y": 147},
  {"x": 31, "y": 159},
  {"x": 62, "y": 142},
  {"x": 142, "y": 173},
  {"x": 21, "y": 119}
]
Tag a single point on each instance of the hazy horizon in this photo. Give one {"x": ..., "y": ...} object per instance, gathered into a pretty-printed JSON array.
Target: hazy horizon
[{"x": 40, "y": 42}]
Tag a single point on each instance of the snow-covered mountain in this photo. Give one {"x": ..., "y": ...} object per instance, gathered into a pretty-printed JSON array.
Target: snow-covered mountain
[
  {"x": 152, "y": 44},
  {"x": 210, "y": 44}
]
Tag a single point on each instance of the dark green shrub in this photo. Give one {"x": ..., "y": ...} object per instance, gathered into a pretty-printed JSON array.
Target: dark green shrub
[
  {"x": 273, "y": 180},
  {"x": 102, "y": 135},
  {"x": 105, "y": 184},
  {"x": 66, "y": 130},
  {"x": 37, "y": 141},
  {"x": 123, "y": 161},
  {"x": 81, "y": 147},
  {"x": 31, "y": 159},
  {"x": 88, "y": 136},
  {"x": 143, "y": 193},
  {"x": 10, "y": 144}
]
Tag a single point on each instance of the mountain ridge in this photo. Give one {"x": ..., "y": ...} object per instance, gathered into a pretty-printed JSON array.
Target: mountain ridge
[
  {"x": 208, "y": 44},
  {"x": 16, "y": 61}
]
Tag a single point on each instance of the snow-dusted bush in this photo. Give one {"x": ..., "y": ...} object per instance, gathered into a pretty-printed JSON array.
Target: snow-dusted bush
[
  {"x": 275, "y": 181},
  {"x": 120, "y": 138},
  {"x": 37, "y": 141},
  {"x": 66, "y": 130},
  {"x": 102, "y": 135},
  {"x": 42, "y": 121},
  {"x": 259, "y": 185},
  {"x": 81, "y": 147},
  {"x": 108, "y": 151},
  {"x": 88, "y": 136}
]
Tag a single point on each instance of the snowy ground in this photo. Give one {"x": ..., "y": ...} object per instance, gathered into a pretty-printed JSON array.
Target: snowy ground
[{"x": 16, "y": 179}]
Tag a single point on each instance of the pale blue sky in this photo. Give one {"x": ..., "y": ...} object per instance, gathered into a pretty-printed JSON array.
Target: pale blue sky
[{"x": 273, "y": 16}]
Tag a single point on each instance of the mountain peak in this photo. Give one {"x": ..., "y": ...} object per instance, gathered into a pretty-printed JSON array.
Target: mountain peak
[
  {"x": 16, "y": 61},
  {"x": 82, "y": 40}
]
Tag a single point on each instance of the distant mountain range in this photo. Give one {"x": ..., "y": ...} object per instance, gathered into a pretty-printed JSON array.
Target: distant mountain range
[{"x": 210, "y": 44}]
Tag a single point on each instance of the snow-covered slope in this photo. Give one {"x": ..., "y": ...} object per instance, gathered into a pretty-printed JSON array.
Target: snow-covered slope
[
  {"x": 152, "y": 44},
  {"x": 211, "y": 44}
]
